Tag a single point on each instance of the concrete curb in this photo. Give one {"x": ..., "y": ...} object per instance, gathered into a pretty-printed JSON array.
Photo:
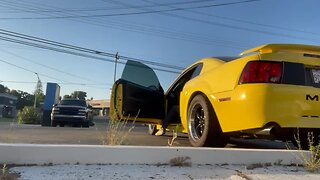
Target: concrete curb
[{"x": 40, "y": 154}]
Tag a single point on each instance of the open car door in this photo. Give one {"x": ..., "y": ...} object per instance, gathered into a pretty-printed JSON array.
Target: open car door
[{"x": 137, "y": 95}]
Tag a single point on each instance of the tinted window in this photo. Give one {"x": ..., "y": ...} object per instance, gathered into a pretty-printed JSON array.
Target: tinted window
[
  {"x": 187, "y": 76},
  {"x": 140, "y": 74},
  {"x": 74, "y": 102},
  {"x": 196, "y": 71}
]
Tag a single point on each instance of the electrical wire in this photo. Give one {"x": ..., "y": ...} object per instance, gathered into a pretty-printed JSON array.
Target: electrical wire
[
  {"x": 145, "y": 29},
  {"x": 101, "y": 8},
  {"x": 75, "y": 53},
  {"x": 43, "y": 65},
  {"x": 81, "y": 49},
  {"x": 126, "y": 14},
  {"x": 64, "y": 83},
  {"x": 204, "y": 21},
  {"x": 31, "y": 70}
]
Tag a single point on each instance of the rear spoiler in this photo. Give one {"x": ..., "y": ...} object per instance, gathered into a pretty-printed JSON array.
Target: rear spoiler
[{"x": 274, "y": 48}]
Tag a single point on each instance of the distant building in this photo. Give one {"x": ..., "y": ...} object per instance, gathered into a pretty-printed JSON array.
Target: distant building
[
  {"x": 8, "y": 105},
  {"x": 100, "y": 107}
]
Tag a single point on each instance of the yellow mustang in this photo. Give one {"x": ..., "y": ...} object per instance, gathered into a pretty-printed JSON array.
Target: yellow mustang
[{"x": 271, "y": 91}]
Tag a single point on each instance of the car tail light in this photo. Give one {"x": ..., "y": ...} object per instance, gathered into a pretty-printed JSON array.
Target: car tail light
[{"x": 262, "y": 72}]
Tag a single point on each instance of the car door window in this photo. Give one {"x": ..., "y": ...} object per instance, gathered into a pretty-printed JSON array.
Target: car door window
[
  {"x": 173, "y": 94},
  {"x": 188, "y": 75},
  {"x": 196, "y": 71},
  {"x": 138, "y": 73}
]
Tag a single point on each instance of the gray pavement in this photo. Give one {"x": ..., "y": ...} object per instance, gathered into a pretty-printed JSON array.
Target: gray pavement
[{"x": 11, "y": 132}]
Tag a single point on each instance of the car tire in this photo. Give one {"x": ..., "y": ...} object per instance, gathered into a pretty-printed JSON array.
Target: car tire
[
  {"x": 152, "y": 129},
  {"x": 203, "y": 126},
  {"x": 85, "y": 124},
  {"x": 53, "y": 124}
]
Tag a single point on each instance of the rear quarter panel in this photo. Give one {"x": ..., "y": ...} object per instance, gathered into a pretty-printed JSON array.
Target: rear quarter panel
[{"x": 221, "y": 79}]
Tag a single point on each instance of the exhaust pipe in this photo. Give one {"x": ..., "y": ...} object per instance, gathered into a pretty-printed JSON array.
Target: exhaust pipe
[{"x": 269, "y": 131}]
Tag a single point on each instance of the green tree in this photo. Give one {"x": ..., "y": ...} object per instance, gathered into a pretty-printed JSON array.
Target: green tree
[
  {"x": 4, "y": 89},
  {"x": 23, "y": 98},
  {"x": 79, "y": 94},
  {"x": 67, "y": 96}
]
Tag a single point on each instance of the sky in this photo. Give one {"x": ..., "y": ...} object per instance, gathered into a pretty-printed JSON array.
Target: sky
[{"x": 172, "y": 32}]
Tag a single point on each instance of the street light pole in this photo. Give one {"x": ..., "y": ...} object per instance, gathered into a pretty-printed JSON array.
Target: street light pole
[{"x": 35, "y": 93}]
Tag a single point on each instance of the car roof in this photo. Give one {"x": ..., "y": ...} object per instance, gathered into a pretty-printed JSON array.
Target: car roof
[{"x": 272, "y": 48}]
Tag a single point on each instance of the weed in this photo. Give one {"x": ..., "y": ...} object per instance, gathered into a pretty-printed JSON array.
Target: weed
[
  {"x": 6, "y": 175},
  {"x": 172, "y": 141},
  {"x": 180, "y": 161},
  {"x": 117, "y": 131},
  {"x": 4, "y": 169},
  {"x": 174, "y": 137},
  {"x": 243, "y": 175},
  {"x": 310, "y": 162}
]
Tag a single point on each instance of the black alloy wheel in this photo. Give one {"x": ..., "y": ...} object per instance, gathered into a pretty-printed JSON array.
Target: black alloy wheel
[{"x": 203, "y": 126}]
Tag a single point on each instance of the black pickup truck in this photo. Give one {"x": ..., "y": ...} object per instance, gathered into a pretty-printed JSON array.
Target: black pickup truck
[{"x": 74, "y": 112}]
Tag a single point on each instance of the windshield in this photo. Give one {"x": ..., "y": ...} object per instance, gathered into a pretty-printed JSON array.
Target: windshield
[
  {"x": 74, "y": 102},
  {"x": 140, "y": 74}
]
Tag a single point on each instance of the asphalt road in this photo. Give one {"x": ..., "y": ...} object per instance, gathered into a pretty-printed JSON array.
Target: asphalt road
[{"x": 36, "y": 134}]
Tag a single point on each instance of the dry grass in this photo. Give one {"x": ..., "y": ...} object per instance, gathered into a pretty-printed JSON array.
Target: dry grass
[
  {"x": 117, "y": 131},
  {"x": 172, "y": 141},
  {"x": 310, "y": 162},
  {"x": 180, "y": 161},
  {"x": 243, "y": 175},
  {"x": 6, "y": 175},
  {"x": 174, "y": 137}
]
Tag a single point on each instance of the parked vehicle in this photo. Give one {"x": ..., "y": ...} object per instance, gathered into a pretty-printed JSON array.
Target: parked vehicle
[
  {"x": 271, "y": 91},
  {"x": 72, "y": 112}
]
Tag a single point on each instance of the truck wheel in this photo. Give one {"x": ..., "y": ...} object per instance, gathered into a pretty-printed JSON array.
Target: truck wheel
[
  {"x": 85, "y": 124},
  {"x": 53, "y": 124}
]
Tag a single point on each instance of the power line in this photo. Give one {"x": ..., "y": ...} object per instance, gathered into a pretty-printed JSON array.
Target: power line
[
  {"x": 43, "y": 65},
  {"x": 145, "y": 29},
  {"x": 30, "y": 70},
  {"x": 81, "y": 51},
  {"x": 253, "y": 23},
  {"x": 227, "y": 25},
  {"x": 233, "y": 19},
  {"x": 74, "y": 53},
  {"x": 126, "y": 14},
  {"x": 188, "y": 37},
  {"x": 64, "y": 83},
  {"x": 101, "y": 8}
]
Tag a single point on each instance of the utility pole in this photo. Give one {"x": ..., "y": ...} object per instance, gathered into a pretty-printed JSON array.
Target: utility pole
[
  {"x": 35, "y": 93},
  {"x": 115, "y": 66}
]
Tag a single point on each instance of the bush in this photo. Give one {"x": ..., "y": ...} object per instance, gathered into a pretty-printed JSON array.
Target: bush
[{"x": 29, "y": 115}]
